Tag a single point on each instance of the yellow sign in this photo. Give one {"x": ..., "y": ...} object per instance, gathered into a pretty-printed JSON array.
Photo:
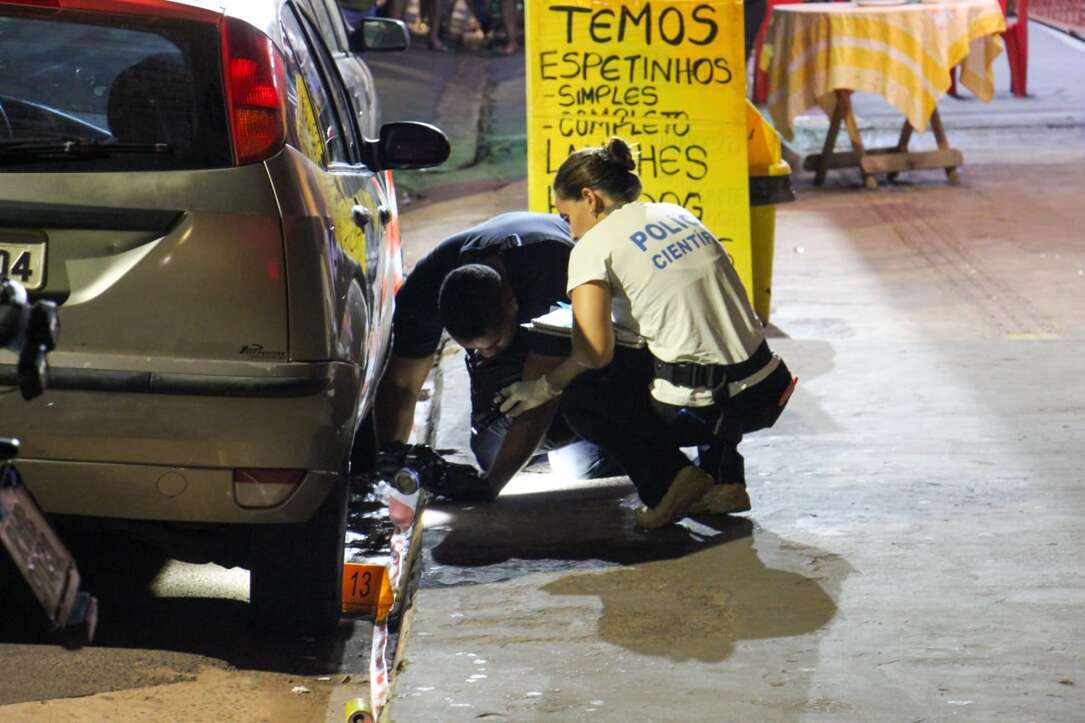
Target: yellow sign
[{"x": 669, "y": 78}]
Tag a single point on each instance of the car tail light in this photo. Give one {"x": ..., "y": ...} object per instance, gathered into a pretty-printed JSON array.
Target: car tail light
[
  {"x": 33, "y": 3},
  {"x": 265, "y": 487},
  {"x": 255, "y": 92}
]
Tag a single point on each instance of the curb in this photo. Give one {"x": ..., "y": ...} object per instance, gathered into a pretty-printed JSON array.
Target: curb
[{"x": 427, "y": 419}]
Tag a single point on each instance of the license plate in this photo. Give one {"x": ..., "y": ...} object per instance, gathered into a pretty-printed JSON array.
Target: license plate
[
  {"x": 38, "y": 553},
  {"x": 24, "y": 263}
]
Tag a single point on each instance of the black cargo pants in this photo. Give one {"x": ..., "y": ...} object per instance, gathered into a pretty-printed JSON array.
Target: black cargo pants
[
  {"x": 756, "y": 408},
  {"x": 612, "y": 408}
]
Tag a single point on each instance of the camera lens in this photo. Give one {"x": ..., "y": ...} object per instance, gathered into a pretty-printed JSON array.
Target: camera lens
[{"x": 407, "y": 481}]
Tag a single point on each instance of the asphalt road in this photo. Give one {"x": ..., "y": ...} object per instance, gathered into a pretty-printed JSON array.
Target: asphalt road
[{"x": 163, "y": 622}]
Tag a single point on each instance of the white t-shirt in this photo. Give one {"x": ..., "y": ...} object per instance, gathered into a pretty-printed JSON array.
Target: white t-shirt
[{"x": 672, "y": 283}]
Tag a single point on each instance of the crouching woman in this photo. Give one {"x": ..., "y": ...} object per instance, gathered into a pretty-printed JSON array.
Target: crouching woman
[{"x": 707, "y": 376}]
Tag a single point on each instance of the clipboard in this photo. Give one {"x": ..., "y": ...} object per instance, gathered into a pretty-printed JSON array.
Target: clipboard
[{"x": 559, "y": 322}]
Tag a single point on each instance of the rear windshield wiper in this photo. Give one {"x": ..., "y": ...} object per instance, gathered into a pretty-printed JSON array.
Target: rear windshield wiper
[{"x": 61, "y": 149}]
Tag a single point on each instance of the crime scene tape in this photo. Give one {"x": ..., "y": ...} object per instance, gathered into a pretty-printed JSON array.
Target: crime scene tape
[{"x": 379, "y": 682}]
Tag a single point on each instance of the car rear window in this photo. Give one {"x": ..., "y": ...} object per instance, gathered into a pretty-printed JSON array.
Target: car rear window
[{"x": 109, "y": 80}]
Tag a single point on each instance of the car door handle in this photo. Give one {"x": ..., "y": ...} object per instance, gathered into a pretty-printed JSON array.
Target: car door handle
[{"x": 362, "y": 216}]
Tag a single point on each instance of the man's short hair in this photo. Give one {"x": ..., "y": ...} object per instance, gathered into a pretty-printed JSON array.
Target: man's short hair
[{"x": 472, "y": 302}]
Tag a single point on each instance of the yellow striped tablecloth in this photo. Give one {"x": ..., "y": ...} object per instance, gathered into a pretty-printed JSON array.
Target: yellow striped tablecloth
[{"x": 901, "y": 52}]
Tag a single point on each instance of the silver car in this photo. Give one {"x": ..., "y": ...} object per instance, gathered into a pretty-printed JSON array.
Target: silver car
[{"x": 197, "y": 185}]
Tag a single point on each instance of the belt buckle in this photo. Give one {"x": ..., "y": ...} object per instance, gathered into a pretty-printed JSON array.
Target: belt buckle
[{"x": 720, "y": 393}]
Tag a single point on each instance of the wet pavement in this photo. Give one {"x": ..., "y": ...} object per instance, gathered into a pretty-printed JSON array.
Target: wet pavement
[{"x": 914, "y": 549}]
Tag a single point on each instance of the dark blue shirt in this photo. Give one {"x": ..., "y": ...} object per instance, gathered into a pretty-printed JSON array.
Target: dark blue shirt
[{"x": 534, "y": 249}]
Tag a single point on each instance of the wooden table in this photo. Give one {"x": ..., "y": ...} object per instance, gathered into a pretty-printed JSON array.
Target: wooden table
[{"x": 819, "y": 53}]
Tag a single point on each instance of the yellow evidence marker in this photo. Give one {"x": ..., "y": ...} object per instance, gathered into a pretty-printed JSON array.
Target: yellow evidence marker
[{"x": 367, "y": 590}]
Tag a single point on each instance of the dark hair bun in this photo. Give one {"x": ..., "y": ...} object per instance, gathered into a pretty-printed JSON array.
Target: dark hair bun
[{"x": 617, "y": 151}]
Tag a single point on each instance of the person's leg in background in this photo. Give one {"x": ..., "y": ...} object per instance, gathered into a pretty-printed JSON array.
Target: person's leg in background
[
  {"x": 394, "y": 9},
  {"x": 469, "y": 25},
  {"x": 481, "y": 11},
  {"x": 510, "y": 20},
  {"x": 431, "y": 11},
  {"x": 754, "y": 14}
]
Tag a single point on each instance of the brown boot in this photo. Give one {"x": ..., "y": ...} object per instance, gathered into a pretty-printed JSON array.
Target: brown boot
[
  {"x": 722, "y": 500},
  {"x": 689, "y": 485}
]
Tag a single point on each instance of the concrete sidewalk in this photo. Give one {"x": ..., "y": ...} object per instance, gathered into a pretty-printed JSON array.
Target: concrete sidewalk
[{"x": 915, "y": 547}]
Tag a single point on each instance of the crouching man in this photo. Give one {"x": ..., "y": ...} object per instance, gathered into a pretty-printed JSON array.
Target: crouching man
[{"x": 481, "y": 285}]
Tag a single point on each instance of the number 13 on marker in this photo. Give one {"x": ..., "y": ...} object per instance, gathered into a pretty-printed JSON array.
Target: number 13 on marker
[{"x": 362, "y": 587}]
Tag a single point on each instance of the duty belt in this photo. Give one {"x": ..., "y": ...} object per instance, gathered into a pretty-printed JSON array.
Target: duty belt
[{"x": 691, "y": 374}]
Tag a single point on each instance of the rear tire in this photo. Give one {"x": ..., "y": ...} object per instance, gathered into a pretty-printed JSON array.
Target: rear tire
[{"x": 297, "y": 570}]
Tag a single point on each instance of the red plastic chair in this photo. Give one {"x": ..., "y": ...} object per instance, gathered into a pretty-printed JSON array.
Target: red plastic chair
[
  {"x": 1016, "y": 37},
  {"x": 760, "y": 77}
]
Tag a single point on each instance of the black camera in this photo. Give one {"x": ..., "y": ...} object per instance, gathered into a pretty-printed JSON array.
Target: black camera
[
  {"x": 410, "y": 467},
  {"x": 29, "y": 330}
]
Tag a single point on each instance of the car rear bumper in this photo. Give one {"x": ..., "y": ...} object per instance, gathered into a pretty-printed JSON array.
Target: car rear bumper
[
  {"x": 164, "y": 445},
  {"x": 162, "y": 493}
]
